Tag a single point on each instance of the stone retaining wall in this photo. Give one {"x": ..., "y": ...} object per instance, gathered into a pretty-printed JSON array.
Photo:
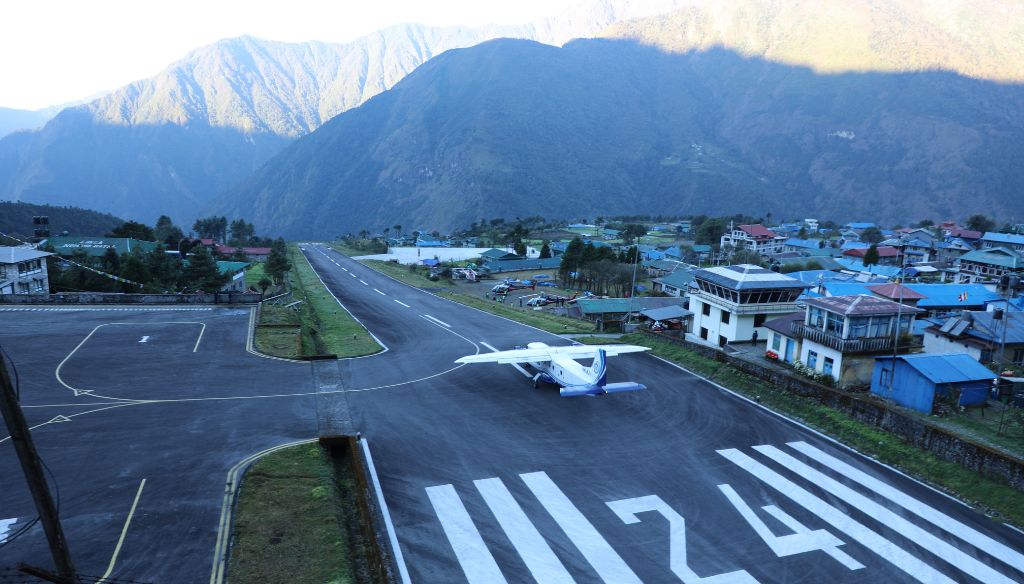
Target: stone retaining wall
[{"x": 872, "y": 411}]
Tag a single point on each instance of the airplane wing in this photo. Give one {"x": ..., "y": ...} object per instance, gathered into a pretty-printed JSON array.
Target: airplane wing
[{"x": 547, "y": 353}]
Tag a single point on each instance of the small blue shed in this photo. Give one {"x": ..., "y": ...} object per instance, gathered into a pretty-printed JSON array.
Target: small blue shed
[{"x": 917, "y": 379}]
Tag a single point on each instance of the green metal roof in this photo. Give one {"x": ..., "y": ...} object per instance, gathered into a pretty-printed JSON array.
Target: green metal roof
[
  {"x": 97, "y": 246},
  {"x": 623, "y": 305},
  {"x": 996, "y": 256},
  {"x": 231, "y": 267}
]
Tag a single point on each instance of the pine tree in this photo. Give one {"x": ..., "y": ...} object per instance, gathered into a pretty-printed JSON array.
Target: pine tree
[
  {"x": 871, "y": 256},
  {"x": 202, "y": 272},
  {"x": 545, "y": 251}
]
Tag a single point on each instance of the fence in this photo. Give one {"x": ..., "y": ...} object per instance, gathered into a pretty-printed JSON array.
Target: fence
[{"x": 67, "y": 298}]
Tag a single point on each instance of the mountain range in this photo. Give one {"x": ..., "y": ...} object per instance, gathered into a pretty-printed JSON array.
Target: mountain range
[
  {"x": 880, "y": 109},
  {"x": 515, "y": 128},
  {"x": 171, "y": 143}
]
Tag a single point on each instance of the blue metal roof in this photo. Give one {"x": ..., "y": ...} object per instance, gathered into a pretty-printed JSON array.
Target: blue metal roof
[
  {"x": 949, "y": 294},
  {"x": 812, "y": 276},
  {"x": 847, "y": 288},
  {"x": 947, "y": 367},
  {"x": 853, "y": 225},
  {"x": 804, "y": 243},
  {"x": 1003, "y": 238},
  {"x": 854, "y": 245}
]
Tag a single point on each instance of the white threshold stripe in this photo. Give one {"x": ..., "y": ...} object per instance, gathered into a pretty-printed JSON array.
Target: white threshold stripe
[
  {"x": 440, "y": 322},
  {"x": 471, "y": 551},
  {"x": 542, "y": 562},
  {"x": 943, "y": 550},
  {"x": 379, "y": 292},
  {"x": 5, "y": 527},
  {"x": 606, "y": 562},
  {"x": 929, "y": 514},
  {"x": 403, "y": 571},
  {"x": 402, "y": 303},
  {"x": 889, "y": 551}
]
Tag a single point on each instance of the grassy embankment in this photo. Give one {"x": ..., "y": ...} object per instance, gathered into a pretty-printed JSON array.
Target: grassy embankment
[
  {"x": 991, "y": 496},
  {"x": 418, "y": 277},
  {"x": 290, "y": 518},
  {"x": 316, "y": 326}
]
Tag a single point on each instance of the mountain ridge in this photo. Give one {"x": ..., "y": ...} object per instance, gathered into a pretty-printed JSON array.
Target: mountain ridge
[{"x": 487, "y": 132}]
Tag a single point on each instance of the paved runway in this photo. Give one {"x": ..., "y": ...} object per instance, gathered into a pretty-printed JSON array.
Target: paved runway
[{"x": 487, "y": 479}]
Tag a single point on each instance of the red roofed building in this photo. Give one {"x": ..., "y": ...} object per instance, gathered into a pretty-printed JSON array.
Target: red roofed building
[
  {"x": 756, "y": 238},
  {"x": 967, "y": 235},
  {"x": 254, "y": 254},
  {"x": 887, "y": 255},
  {"x": 897, "y": 293}
]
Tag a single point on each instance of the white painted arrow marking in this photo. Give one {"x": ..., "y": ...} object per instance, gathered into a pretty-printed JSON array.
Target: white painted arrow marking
[
  {"x": 144, "y": 339},
  {"x": 59, "y": 419},
  {"x": 79, "y": 392}
]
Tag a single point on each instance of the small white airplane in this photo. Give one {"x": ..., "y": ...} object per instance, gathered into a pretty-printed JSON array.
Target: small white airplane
[{"x": 558, "y": 365}]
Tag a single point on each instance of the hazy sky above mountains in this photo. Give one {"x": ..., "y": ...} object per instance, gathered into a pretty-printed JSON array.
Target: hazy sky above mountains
[{"x": 56, "y": 51}]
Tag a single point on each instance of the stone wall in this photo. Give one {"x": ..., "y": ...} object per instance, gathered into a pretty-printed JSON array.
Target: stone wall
[
  {"x": 66, "y": 298},
  {"x": 872, "y": 411}
]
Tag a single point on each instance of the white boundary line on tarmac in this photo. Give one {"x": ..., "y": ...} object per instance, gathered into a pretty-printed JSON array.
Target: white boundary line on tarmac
[{"x": 403, "y": 571}]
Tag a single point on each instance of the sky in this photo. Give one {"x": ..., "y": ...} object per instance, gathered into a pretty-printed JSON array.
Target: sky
[{"x": 58, "y": 51}]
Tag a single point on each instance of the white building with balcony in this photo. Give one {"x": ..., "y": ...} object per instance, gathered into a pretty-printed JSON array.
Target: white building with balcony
[
  {"x": 756, "y": 238},
  {"x": 840, "y": 335},
  {"x": 730, "y": 303},
  {"x": 23, "y": 271}
]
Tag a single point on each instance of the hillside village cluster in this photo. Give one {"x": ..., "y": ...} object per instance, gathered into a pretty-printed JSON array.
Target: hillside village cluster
[{"x": 915, "y": 315}]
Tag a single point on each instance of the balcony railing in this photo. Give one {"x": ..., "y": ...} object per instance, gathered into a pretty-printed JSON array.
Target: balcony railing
[{"x": 867, "y": 345}]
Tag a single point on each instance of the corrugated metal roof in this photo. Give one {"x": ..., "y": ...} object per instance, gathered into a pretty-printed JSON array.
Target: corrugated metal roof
[
  {"x": 748, "y": 277},
  {"x": 623, "y": 305},
  {"x": 942, "y": 295},
  {"x": 666, "y": 312},
  {"x": 98, "y": 246},
  {"x": 996, "y": 256},
  {"x": 860, "y": 305},
  {"x": 948, "y": 367},
  {"x": 846, "y": 288},
  {"x": 13, "y": 255},
  {"x": 1003, "y": 238},
  {"x": 521, "y": 265}
]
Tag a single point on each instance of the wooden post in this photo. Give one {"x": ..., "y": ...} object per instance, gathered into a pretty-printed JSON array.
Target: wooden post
[{"x": 33, "y": 469}]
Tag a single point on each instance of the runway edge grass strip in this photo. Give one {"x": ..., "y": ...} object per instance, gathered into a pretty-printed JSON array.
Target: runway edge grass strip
[
  {"x": 289, "y": 521},
  {"x": 322, "y": 326},
  {"x": 992, "y": 497}
]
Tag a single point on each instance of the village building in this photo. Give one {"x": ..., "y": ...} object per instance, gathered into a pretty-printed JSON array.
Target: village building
[
  {"x": 23, "y": 271},
  {"x": 839, "y": 335},
  {"x": 755, "y": 238},
  {"x": 731, "y": 303}
]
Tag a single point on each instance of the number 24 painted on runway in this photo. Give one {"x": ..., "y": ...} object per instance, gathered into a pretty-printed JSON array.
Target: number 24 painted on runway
[{"x": 804, "y": 540}]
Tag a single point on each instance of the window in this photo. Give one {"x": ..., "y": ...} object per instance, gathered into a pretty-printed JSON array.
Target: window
[
  {"x": 879, "y": 326},
  {"x": 776, "y": 342},
  {"x": 812, "y": 359},
  {"x": 759, "y": 319},
  {"x": 1018, "y": 356},
  {"x": 859, "y": 327},
  {"x": 725, "y": 316},
  {"x": 834, "y": 324},
  {"x": 704, "y": 332},
  {"x": 705, "y": 309},
  {"x": 826, "y": 367}
]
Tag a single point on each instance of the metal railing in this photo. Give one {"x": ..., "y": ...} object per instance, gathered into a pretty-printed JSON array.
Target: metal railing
[{"x": 834, "y": 341}]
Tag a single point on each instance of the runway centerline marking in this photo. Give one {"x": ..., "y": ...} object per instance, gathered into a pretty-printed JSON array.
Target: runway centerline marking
[
  {"x": 518, "y": 367},
  {"x": 144, "y": 339},
  {"x": 379, "y": 292},
  {"x": 124, "y": 531},
  {"x": 353, "y": 275},
  {"x": 363, "y": 282},
  {"x": 438, "y": 321},
  {"x": 402, "y": 303}
]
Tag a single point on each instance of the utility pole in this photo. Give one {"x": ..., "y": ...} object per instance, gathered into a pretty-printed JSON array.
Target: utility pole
[{"x": 33, "y": 469}]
